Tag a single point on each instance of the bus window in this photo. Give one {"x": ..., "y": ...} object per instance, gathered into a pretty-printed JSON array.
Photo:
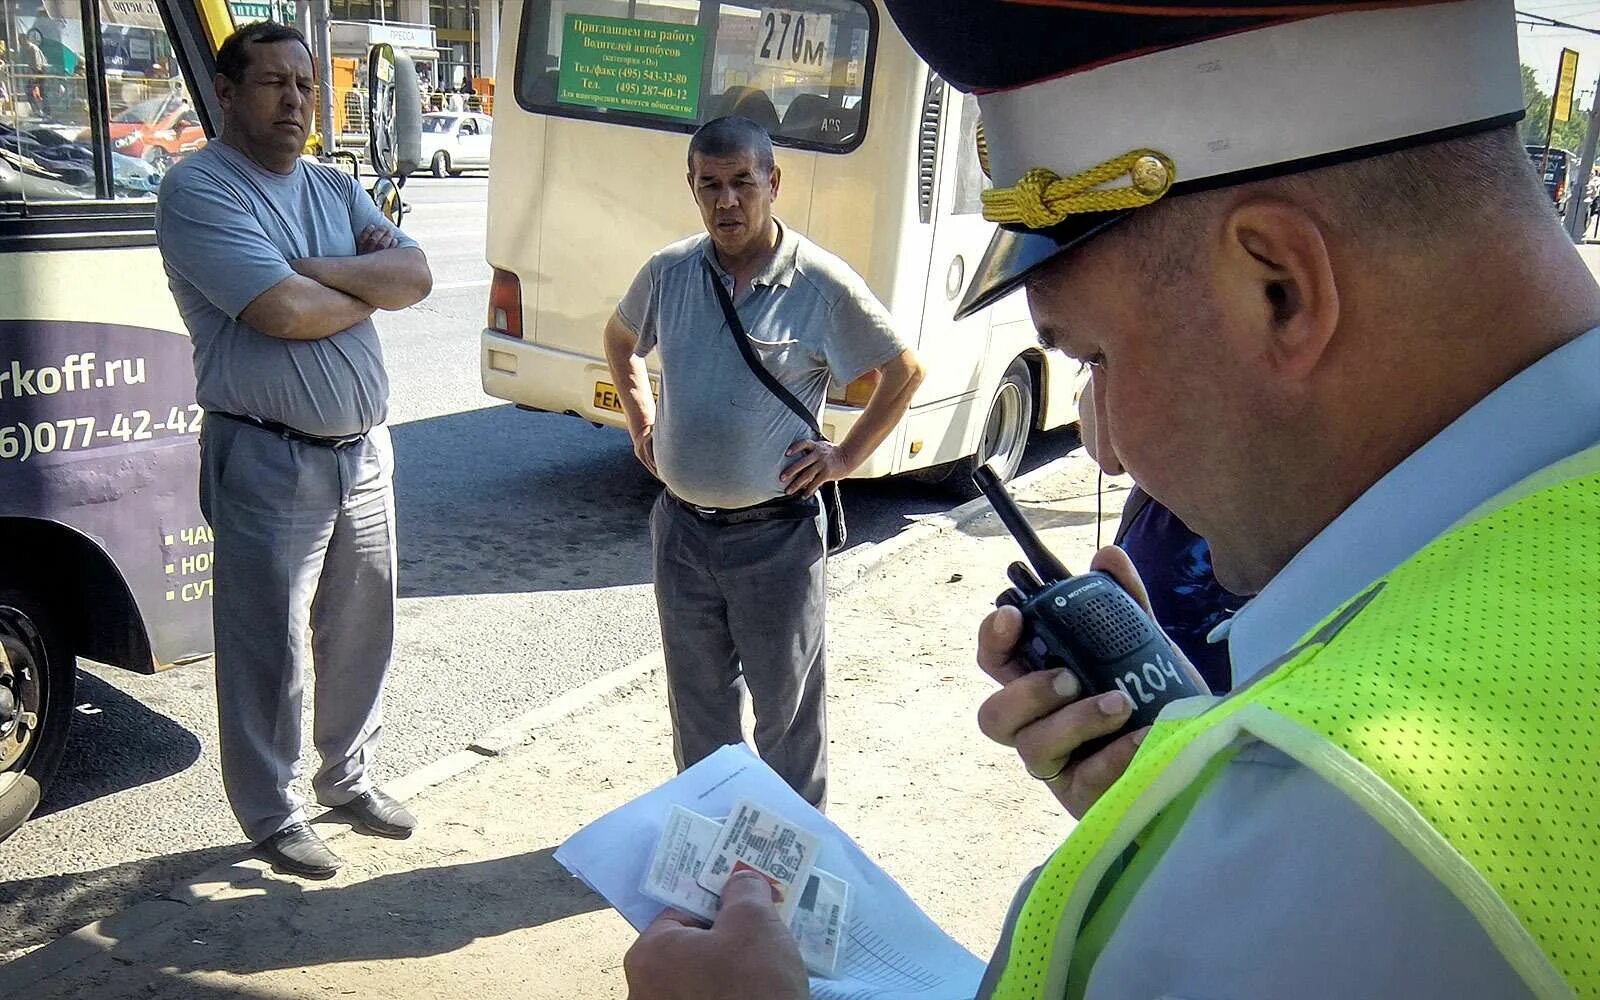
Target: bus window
[
  {"x": 52, "y": 147},
  {"x": 971, "y": 181},
  {"x": 802, "y": 70},
  {"x": 152, "y": 121},
  {"x": 42, "y": 158}
]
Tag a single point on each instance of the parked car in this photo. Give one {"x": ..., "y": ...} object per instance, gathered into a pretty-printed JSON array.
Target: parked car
[
  {"x": 134, "y": 176},
  {"x": 1559, "y": 182},
  {"x": 52, "y": 167},
  {"x": 1556, "y": 170},
  {"x": 160, "y": 131},
  {"x": 453, "y": 141}
]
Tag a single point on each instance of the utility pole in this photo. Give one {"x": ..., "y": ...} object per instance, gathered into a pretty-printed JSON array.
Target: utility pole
[
  {"x": 322, "y": 33},
  {"x": 1576, "y": 220}
]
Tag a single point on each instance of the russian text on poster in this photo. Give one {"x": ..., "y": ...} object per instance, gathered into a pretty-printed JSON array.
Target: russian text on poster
[{"x": 650, "y": 67}]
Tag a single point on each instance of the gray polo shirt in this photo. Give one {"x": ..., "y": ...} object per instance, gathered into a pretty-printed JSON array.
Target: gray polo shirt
[
  {"x": 228, "y": 228},
  {"x": 720, "y": 434}
]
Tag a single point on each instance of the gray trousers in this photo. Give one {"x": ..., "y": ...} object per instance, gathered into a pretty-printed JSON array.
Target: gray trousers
[
  {"x": 304, "y": 543},
  {"x": 745, "y": 605}
]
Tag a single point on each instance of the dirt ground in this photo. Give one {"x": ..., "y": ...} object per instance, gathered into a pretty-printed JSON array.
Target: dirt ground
[{"x": 474, "y": 905}]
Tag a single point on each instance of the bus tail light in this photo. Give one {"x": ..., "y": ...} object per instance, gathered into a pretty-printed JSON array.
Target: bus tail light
[
  {"x": 505, "y": 304},
  {"x": 857, "y": 393}
]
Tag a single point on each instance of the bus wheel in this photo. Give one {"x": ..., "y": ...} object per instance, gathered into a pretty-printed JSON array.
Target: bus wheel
[
  {"x": 441, "y": 163},
  {"x": 1005, "y": 431},
  {"x": 37, "y": 676}
]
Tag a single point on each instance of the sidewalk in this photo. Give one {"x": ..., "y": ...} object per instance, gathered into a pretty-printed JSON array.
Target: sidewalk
[
  {"x": 1590, "y": 252},
  {"x": 474, "y": 906}
]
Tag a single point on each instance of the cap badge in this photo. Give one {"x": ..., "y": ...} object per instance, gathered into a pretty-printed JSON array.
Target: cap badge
[{"x": 1043, "y": 198}]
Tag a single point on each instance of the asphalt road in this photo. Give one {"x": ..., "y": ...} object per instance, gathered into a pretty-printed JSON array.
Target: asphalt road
[{"x": 524, "y": 571}]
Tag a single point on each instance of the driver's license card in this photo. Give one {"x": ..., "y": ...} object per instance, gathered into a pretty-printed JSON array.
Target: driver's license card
[
  {"x": 819, "y": 923},
  {"x": 686, "y": 842},
  {"x": 756, "y": 839}
]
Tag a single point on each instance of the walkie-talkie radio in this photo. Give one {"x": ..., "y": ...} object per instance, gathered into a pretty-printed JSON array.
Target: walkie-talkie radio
[{"x": 1086, "y": 624}]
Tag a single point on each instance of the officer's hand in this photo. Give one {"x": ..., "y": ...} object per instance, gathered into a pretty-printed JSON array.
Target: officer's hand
[
  {"x": 1042, "y": 715},
  {"x": 747, "y": 953},
  {"x": 375, "y": 238},
  {"x": 819, "y": 462},
  {"x": 644, "y": 447}
]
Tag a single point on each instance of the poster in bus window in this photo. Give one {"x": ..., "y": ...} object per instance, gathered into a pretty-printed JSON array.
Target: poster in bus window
[
  {"x": 794, "y": 40},
  {"x": 132, "y": 37},
  {"x": 624, "y": 64}
]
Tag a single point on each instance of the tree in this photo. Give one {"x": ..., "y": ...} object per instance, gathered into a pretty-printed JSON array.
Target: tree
[{"x": 1568, "y": 135}]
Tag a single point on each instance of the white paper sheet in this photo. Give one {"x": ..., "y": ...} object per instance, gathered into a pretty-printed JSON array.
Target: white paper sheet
[{"x": 892, "y": 951}]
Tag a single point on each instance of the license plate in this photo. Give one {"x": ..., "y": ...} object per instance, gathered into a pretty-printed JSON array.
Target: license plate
[{"x": 606, "y": 398}]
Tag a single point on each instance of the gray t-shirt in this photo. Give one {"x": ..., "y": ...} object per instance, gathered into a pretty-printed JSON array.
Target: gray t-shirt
[
  {"x": 228, "y": 228},
  {"x": 720, "y": 434}
]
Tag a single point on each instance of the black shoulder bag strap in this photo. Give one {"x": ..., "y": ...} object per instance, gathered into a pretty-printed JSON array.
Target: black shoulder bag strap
[
  {"x": 832, "y": 503},
  {"x": 1137, "y": 501}
]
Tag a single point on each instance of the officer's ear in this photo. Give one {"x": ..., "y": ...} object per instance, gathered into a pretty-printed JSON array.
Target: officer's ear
[{"x": 1277, "y": 284}]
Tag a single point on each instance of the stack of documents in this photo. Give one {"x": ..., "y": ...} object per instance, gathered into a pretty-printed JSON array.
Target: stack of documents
[{"x": 890, "y": 951}]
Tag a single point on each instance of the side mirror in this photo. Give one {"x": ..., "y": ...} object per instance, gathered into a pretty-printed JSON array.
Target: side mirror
[
  {"x": 386, "y": 193},
  {"x": 380, "y": 109},
  {"x": 394, "y": 112}
]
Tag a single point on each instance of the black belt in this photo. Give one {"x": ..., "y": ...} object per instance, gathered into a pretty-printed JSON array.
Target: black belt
[
  {"x": 780, "y": 509},
  {"x": 289, "y": 433}
]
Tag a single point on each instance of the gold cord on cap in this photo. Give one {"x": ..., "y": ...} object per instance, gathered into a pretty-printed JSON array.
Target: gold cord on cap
[{"x": 1042, "y": 198}]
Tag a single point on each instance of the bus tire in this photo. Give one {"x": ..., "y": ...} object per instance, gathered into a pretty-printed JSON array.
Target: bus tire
[
  {"x": 441, "y": 164},
  {"x": 1005, "y": 431},
  {"x": 38, "y": 674}
]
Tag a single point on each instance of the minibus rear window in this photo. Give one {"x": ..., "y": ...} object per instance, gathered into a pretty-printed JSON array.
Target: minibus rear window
[{"x": 802, "y": 70}]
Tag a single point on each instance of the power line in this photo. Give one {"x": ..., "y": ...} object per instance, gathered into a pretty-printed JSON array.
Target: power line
[
  {"x": 1567, "y": 5},
  {"x": 1539, "y": 20}
]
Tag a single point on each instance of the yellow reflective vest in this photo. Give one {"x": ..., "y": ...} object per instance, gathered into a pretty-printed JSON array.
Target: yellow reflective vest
[{"x": 1456, "y": 700}]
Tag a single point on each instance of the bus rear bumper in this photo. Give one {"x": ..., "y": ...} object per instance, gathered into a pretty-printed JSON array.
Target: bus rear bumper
[{"x": 545, "y": 378}]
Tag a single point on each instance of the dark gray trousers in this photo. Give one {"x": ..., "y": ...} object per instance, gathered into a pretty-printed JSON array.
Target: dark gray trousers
[
  {"x": 304, "y": 544},
  {"x": 744, "y": 605}
]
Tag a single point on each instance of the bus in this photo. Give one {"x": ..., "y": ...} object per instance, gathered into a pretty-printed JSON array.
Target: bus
[
  {"x": 104, "y": 553},
  {"x": 880, "y": 165}
]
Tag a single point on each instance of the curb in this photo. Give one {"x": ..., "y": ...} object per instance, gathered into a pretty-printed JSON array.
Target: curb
[{"x": 103, "y": 936}]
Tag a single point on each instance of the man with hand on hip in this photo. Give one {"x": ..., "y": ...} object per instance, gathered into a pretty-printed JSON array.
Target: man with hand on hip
[{"x": 738, "y": 533}]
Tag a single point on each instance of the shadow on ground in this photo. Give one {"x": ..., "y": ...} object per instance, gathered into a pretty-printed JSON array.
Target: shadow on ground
[
  {"x": 36, "y": 911},
  {"x": 115, "y": 743},
  {"x": 279, "y": 924},
  {"x": 500, "y": 500}
]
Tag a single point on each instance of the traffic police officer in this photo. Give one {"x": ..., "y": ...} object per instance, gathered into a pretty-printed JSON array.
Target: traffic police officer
[{"x": 1338, "y": 332}]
